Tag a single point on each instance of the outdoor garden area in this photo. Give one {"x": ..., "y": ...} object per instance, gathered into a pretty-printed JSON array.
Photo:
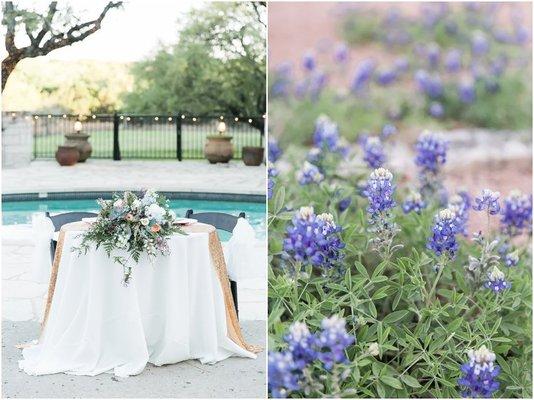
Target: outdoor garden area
[{"x": 400, "y": 211}]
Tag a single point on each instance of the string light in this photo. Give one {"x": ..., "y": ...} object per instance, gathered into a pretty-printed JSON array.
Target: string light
[
  {"x": 249, "y": 121},
  {"x": 194, "y": 119},
  {"x": 263, "y": 116},
  {"x": 122, "y": 116},
  {"x": 36, "y": 117},
  {"x": 236, "y": 119},
  {"x": 128, "y": 118},
  {"x": 183, "y": 116},
  {"x": 221, "y": 117},
  {"x": 13, "y": 115},
  {"x": 49, "y": 116},
  {"x": 94, "y": 116},
  {"x": 170, "y": 119},
  {"x": 64, "y": 115},
  {"x": 156, "y": 118}
]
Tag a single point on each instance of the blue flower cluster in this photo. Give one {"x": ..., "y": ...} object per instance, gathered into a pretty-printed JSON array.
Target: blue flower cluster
[
  {"x": 379, "y": 191},
  {"x": 271, "y": 172},
  {"x": 274, "y": 150},
  {"x": 479, "y": 374},
  {"x": 326, "y": 134},
  {"x": 309, "y": 174},
  {"x": 344, "y": 204},
  {"x": 413, "y": 202},
  {"x": 516, "y": 214},
  {"x": 443, "y": 239},
  {"x": 314, "y": 240},
  {"x": 388, "y": 130},
  {"x": 511, "y": 259},
  {"x": 364, "y": 73},
  {"x": 431, "y": 152},
  {"x": 373, "y": 152},
  {"x": 286, "y": 368},
  {"x": 460, "y": 204},
  {"x": 488, "y": 200},
  {"x": 497, "y": 281}
]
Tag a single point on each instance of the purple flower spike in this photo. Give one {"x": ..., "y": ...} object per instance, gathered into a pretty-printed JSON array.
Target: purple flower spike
[
  {"x": 466, "y": 92},
  {"x": 479, "y": 373},
  {"x": 341, "y": 54},
  {"x": 379, "y": 191},
  {"x": 414, "y": 202},
  {"x": 274, "y": 150},
  {"x": 364, "y": 72},
  {"x": 282, "y": 377},
  {"x": 436, "y": 110},
  {"x": 271, "y": 172},
  {"x": 516, "y": 214},
  {"x": 333, "y": 340},
  {"x": 453, "y": 60},
  {"x": 386, "y": 77},
  {"x": 497, "y": 281},
  {"x": 374, "y": 154},
  {"x": 308, "y": 62},
  {"x": 431, "y": 152},
  {"x": 443, "y": 239},
  {"x": 309, "y": 174},
  {"x": 479, "y": 44},
  {"x": 488, "y": 200}
]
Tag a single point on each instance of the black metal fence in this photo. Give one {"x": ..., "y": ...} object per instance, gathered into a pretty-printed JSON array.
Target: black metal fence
[{"x": 126, "y": 136}]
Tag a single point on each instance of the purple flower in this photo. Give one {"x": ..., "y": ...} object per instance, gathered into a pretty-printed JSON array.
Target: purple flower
[
  {"x": 308, "y": 61},
  {"x": 386, "y": 77},
  {"x": 466, "y": 92},
  {"x": 333, "y": 340},
  {"x": 511, "y": 259},
  {"x": 413, "y": 202},
  {"x": 460, "y": 204},
  {"x": 388, "y": 130},
  {"x": 282, "y": 376},
  {"x": 341, "y": 53},
  {"x": 301, "y": 345},
  {"x": 516, "y": 214},
  {"x": 374, "y": 154},
  {"x": 436, "y": 110},
  {"x": 309, "y": 173},
  {"x": 274, "y": 150},
  {"x": 431, "y": 152},
  {"x": 379, "y": 191},
  {"x": 479, "y": 373},
  {"x": 433, "y": 54},
  {"x": 443, "y": 239},
  {"x": 314, "y": 240},
  {"x": 497, "y": 281},
  {"x": 430, "y": 85},
  {"x": 344, "y": 204},
  {"x": 479, "y": 44},
  {"x": 401, "y": 65},
  {"x": 522, "y": 34},
  {"x": 364, "y": 72},
  {"x": 489, "y": 201},
  {"x": 326, "y": 134},
  {"x": 271, "y": 172},
  {"x": 317, "y": 84},
  {"x": 498, "y": 65},
  {"x": 453, "y": 60},
  {"x": 315, "y": 155}
]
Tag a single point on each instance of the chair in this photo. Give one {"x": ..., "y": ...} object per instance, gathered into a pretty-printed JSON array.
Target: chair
[
  {"x": 61, "y": 219},
  {"x": 224, "y": 222}
]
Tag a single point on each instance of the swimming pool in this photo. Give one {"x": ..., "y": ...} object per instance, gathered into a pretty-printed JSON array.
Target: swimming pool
[{"x": 20, "y": 212}]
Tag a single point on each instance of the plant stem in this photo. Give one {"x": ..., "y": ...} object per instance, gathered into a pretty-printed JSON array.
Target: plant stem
[{"x": 438, "y": 275}]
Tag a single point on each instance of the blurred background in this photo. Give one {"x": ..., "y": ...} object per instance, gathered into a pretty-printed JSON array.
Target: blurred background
[{"x": 463, "y": 69}]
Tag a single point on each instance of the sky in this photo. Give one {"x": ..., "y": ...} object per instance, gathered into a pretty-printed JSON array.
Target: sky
[{"x": 128, "y": 34}]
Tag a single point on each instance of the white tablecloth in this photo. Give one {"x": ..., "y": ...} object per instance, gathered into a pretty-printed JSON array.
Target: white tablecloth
[{"x": 171, "y": 311}]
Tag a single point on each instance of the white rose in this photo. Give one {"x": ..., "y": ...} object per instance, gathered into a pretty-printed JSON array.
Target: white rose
[
  {"x": 136, "y": 204},
  {"x": 154, "y": 211},
  {"x": 144, "y": 221},
  {"x": 118, "y": 204}
]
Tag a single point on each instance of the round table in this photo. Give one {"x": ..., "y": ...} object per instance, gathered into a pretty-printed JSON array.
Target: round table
[{"x": 177, "y": 308}]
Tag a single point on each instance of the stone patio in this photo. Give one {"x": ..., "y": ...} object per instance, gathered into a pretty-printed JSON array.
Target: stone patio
[{"x": 109, "y": 175}]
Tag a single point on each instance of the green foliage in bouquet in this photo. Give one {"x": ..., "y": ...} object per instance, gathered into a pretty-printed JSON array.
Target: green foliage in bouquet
[
  {"x": 131, "y": 225},
  {"x": 433, "y": 311}
]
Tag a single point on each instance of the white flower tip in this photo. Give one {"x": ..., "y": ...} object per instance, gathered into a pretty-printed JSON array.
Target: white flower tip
[
  {"x": 446, "y": 214},
  {"x": 381, "y": 173}
]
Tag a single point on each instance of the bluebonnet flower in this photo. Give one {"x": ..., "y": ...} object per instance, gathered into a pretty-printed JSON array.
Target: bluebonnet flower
[
  {"x": 271, "y": 173},
  {"x": 479, "y": 374},
  {"x": 430, "y": 85},
  {"x": 489, "y": 201},
  {"x": 466, "y": 92},
  {"x": 344, "y": 204},
  {"x": 497, "y": 281},
  {"x": 431, "y": 152},
  {"x": 364, "y": 72},
  {"x": 373, "y": 150},
  {"x": 401, "y": 65},
  {"x": 314, "y": 240},
  {"x": 308, "y": 61},
  {"x": 274, "y": 150},
  {"x": 479, "y": 44},
  {"x": 386, "y": 77},
  {"x": 379, "y": 191},
  {"x": 341, "y": 53},
  {"x": 388, "y": 130},
  {"x": 282, "y": 376},
  {"x": 333, "y": 340},
  {"x": 309, "y": 173},
  {"x": 522, "y": 34},
  {"x": 443, "y": 239},
  {"x": 318, "y": 82},
  {"x": 460, "y": 204},
  {"x": 516, "y": 214},
  {"x": 453, "y": 60},
  {"x": 436, "y": 110},
  {"x": 511, "y": 259},
  {"x": 433, "y": 55},
  {"x": 281, "y": 81},
  {"x": 413, "y": 202},
  {"x": 301, "y": 344},
  {"x": 498, "y": 65},
  {"x": 315, "y": 155},
  {"x": 326, "y": 134}
]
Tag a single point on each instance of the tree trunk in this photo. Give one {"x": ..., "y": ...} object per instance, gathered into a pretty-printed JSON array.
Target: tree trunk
[{"x": 8, "y": 65}]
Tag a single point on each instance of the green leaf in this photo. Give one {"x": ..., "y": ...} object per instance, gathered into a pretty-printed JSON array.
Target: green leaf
[
  {"x": 391, "y": 381},
  {"x": 410, "y": 381},
  {"x": 395, "y": 316}
]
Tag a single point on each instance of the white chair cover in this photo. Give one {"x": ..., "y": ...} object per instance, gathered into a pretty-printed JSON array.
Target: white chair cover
[
  {"x": 43, "y": 232},
  {"x": 245, "y": 255}
]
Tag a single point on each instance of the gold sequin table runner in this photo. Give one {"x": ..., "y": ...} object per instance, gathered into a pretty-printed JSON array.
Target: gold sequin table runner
[{"x": 217, "y": 257}]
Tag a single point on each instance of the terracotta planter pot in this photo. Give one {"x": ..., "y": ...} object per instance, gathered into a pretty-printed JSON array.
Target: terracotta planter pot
[
  {"x": 67, "y": 155},
  {"x": 79, "y": 140},
  {"x": 253, "y": 156},
  {"x": 218, "y": 149}
]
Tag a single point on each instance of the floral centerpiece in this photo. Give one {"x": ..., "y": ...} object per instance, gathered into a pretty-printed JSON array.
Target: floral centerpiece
[{"x": 132, "y": 225}]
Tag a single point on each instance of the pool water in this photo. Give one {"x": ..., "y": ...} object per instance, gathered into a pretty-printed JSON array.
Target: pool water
[{"x": 20, "y": 212}]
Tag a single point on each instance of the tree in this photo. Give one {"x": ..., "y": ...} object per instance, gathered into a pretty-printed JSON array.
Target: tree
[
  {"x": 44, "y": 32},
  {"x": 216, "y": 67}
]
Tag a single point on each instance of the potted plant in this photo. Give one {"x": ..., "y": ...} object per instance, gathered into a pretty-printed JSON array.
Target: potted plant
[
  {"x": 253, "y": 156},
  {"x": 219, "y": 147},
  {"x": 79, "y": 140}
]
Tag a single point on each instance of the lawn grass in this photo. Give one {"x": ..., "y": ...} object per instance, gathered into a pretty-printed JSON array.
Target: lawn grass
[{"x": 149, "y": 144}]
